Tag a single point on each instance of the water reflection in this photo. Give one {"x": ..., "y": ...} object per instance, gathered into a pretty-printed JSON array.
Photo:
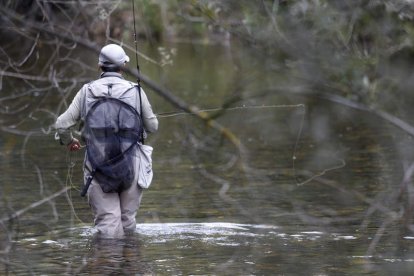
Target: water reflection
[
  {"x": 203, "y": 248},
  {"x": 114, "y": 257},
  {"x": 277, "y": 226}
]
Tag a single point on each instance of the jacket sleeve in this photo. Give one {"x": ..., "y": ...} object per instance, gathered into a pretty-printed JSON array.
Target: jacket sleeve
[
  {"x": 69, "y": 118},
  {"x": 149, "y": 118}
]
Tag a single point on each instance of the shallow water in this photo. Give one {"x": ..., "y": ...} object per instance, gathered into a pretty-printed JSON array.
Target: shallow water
[
  {"x": 202, "y": 248},
  {"x": 299, "y": 202}
]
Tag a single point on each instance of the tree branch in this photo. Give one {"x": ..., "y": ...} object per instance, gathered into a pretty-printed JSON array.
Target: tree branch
[
  {"x": 162, "y": 91},
  {"x": 34, "y": 205}
]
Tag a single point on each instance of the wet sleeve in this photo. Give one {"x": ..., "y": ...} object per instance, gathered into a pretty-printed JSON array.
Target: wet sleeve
[
  {"x": 150, "y": 120},
  {"x": 68, "y": 119}
]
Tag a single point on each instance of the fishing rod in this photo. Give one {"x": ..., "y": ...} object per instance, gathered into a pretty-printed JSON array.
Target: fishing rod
[
  {"x": 136, "y": 43},
  {"x": 136, "y": 59}
]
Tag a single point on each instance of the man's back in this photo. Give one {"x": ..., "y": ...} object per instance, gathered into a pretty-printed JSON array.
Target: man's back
[{"x": 114, "y": 212}]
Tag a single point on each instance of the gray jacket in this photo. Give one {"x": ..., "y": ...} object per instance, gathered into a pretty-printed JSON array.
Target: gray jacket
[{"x": 78, "y": 108}]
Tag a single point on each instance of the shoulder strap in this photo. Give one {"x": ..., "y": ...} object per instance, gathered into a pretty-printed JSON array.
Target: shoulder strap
[{"x": 140, "y": 112}]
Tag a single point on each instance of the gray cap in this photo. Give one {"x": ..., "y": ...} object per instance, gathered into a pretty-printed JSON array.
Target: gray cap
[{"x": 112, "y": 55}]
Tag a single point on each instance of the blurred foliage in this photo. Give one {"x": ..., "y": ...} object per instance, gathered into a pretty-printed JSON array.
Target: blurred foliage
[{"x": 360, "y": 49}]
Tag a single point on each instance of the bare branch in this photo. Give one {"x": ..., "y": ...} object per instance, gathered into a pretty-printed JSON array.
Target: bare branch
[{"x": 34, "y": 205}]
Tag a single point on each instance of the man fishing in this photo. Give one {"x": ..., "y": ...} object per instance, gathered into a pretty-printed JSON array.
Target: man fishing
[{"x": 113, "y": 135}]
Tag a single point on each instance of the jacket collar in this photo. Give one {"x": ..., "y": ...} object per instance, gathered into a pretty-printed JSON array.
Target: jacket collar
[{"x": 111, "y": 74}]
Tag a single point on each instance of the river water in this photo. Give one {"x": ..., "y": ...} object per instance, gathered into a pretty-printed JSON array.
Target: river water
[{"x": 311, "y": 195}]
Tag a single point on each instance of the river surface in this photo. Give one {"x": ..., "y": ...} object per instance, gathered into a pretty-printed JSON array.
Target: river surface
[{"x": 309, "y": 195}]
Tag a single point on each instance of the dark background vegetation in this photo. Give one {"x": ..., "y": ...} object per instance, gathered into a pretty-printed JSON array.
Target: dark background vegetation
[{"x": 333, "y": 55}]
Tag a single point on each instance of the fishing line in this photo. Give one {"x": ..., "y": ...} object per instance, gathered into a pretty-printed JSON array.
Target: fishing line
[
  {"x": 68, "y": 182},
  {"x": 71, "y": 164},
  {"x": 173, "y": 114},
  {"x": 297, "y": 140},
  {"x": 294, "y": 157},
  {"x": 323, "y": 172}
]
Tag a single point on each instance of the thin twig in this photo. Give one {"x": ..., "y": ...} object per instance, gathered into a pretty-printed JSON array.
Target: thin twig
[{"x": 34, "y": 205}]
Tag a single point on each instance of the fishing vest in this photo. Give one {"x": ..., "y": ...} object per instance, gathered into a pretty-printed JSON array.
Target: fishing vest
[{"x": 111, "y": 128}]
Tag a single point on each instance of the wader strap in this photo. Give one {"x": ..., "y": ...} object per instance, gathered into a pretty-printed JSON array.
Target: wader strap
[{"x": 88, "y": 183}]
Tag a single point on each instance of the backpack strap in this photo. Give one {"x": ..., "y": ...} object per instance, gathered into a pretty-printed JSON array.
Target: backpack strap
[{"x": 140, "y": 113}]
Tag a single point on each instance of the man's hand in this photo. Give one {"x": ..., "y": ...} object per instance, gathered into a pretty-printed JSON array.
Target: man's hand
[{"x": 74, "y": 145}]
